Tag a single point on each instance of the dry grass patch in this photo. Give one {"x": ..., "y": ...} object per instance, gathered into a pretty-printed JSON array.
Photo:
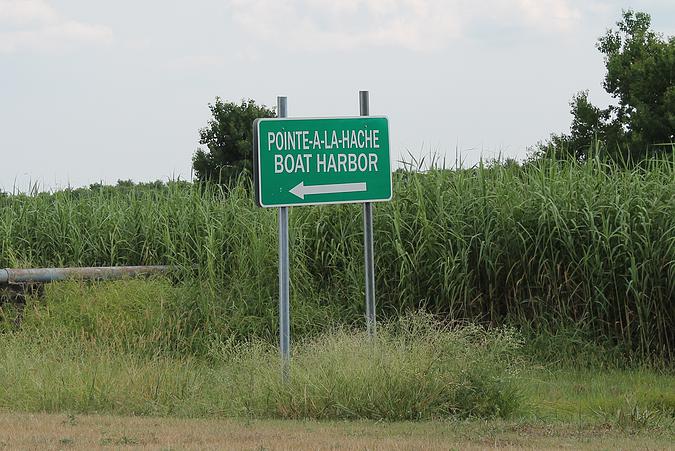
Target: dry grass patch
[{"x": 75, "y": 432}]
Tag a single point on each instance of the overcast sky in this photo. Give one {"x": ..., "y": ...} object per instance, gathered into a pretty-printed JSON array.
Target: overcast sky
[{"x": 100, "y": 91}]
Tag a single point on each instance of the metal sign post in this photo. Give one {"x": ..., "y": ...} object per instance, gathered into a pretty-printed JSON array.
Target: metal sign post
[
  {"x": 284, "y": 307},
  {"x": 321, "y": 161},
  {"x": 364, "y": 107}
]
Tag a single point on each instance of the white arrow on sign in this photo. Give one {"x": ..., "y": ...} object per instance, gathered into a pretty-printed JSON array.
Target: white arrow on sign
[{"x": 301, "y": 190}]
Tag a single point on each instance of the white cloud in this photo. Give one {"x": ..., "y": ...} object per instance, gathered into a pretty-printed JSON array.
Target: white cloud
[
  {"x": 411, "y": 24},
  {"x": 556, "y": 13},
  {"x": 36, "y": 25},
  {"x": 346, "y": 24},
  {"x": 26, "y": 12}
]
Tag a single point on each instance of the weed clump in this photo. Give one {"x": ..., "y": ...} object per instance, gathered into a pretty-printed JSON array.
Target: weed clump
[{"x": 413, "y": 369}]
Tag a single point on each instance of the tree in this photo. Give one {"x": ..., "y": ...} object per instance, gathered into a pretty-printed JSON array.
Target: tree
[
  {"x": 640, "y": 76},
  {"x": 228, "y": 138}
]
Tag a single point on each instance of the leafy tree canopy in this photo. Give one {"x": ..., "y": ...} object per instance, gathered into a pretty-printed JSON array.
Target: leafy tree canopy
[
  {"x": 228, "y": 139},
  {"x": 640, "y": 73}
]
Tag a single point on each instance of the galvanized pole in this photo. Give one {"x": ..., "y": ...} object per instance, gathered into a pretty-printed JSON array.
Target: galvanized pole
[
  {"x": 364, "y": 107},
  {"x": 284, "y": 309}
]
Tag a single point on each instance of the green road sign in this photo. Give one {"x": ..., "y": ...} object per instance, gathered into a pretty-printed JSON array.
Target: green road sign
[{"x": 321, "y": 161}]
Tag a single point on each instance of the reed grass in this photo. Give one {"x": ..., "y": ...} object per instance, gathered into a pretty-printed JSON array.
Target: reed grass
[{"x": 551, "y": 246}]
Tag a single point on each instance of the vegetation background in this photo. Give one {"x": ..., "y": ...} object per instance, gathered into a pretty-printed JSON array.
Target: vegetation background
[
  {"x": 490, "y": 279},
  {"x": 554, "y": 246}
]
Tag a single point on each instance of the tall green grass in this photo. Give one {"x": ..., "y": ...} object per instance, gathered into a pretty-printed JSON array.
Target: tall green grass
[
  {"x": 157, "y": 318},
  {"x": 554, "y": 247},
  {"x": 414, "y": 369}
]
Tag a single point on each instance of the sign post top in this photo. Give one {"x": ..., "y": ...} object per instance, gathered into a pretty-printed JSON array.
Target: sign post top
[{"x": 299, "y": 161}]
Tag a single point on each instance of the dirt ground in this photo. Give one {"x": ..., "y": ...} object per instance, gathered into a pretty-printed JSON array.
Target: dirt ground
[{"x": 79, "y": 432}]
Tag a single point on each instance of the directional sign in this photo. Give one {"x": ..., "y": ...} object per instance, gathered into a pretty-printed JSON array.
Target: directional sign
[{"x": 321, "y": 161}]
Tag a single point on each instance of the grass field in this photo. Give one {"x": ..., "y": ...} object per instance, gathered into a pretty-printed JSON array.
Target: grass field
[
  {"x": 89, "y": 395},
  {"x": 519, "y": 306},
  {"x": 120, "y": 348}
]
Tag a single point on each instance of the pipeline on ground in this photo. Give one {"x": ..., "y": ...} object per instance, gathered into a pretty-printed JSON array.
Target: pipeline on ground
[{"x": 12, "y": 276}]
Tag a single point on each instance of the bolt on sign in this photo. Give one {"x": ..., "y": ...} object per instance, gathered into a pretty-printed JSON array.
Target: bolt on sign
[{"x": 321, "y": 161}]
